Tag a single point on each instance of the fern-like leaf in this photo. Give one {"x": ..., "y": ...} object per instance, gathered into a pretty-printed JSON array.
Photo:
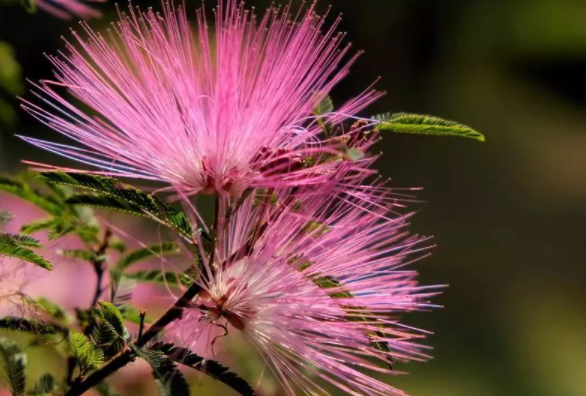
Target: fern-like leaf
[
  {"x": 13, "y": 247},
  {"x": 88, "y": 356},
  {"x": 159, "y": 277},
  {"x": 210, "y": 367},
  {"x": 25, "y": 192},
  {"x": 171, "y": 381},
  {"x": 14, "y": 361},
  {"x": 425, "y": 125},
  {"x": 137, "y": 256},
  {"x": 111, "y": 193},
  {"x": 30, "y": 326}
]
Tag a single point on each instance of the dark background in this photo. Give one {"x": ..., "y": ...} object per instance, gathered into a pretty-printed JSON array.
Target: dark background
[{"x": 508, "y": 215}]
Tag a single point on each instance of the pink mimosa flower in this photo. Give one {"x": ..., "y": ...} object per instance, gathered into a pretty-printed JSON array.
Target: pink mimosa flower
[
  {"x": 206, "y": 112},
  {"x": 315, "y": 280},
  {"x": 69, "y": 9}
]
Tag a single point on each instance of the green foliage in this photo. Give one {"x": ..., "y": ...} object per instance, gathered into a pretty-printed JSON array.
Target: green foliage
[
  {"x": 5, "y": 218},
  {"x": 44, "y": 387},
  {"x": 110, "y": 193},
  {"x": 137, "y": 256},
  {"x": 329, "y": 282},
  {"x": 315, "y": 228},
  {"x": 159, "y": 277},
  {"x": 354, "y": 154},
  {"x": 210, "y": 367},
  {"x": 10, "y": 81},
  {"x": 85, "y": 255},
  {"x": 132, "y": 314},
  {"x": 324, "y": 107},
  {"x": 88, "y": 356},
  {"x": 50, "y": 308},
  {"x": 336, "y": 290},
  {"x": 425, "y": 125},
  {"x": 108, "y": 329},
  {"x": 24, "y": 191},
  {"x": 22, "y": 240},
  {"x": 65, "y": 218},
  {"x": 17, "y": 246},
  {"x": 171, "y": 381},
  {"x": 14, "y": 362},
  {"x": 29, "y": 5},
  {"x": 31, "y": 326}
]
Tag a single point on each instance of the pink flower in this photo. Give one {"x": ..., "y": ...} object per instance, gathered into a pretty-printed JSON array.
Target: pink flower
[
  {"x": 315, "y": 280},
  {"x": 68, "y": 9},
  {"x": 204, "y": 112}
]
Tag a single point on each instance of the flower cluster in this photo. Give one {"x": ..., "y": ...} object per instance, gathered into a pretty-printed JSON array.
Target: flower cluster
[{"x": 308, "y": 256}]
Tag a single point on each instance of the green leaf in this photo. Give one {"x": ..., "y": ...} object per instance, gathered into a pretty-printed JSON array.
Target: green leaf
[
  {"x": 171, "y": 381},
  {"x": 20, "y": 240},
  {"x": 10, "y": 70},
  {"x": 25, "y": 192},
  {"x": 85, "y": 255},
  {"x": 52, "y": 309},
  {"x": 315, "y": 228},
  {"x": 147, "y": 253},
  {"x": 132, "y": 314},
  {"x": 354, "y": 154},
  {"x": 32, "y": 326},
  {"x": 29, "y": 5},
  {"x": 88, "y": 356},
  {"x": 159, "y": 277},
  {"x": 45, "y": 385},
  {"x": 113, "y": 194},
  {"x": 324, "y": 107},
  {"x": 108, "y": 329},
  {"x": 12, "y": 248},
  {"x": 14, "y": 361},
  {"x": 210, "y": 367},
  {"x": 425, "y": 125},
  {"x": 39, "y": 225},
  {"x": 138, "y": 256},
  {"x": 5, "y": 218}
]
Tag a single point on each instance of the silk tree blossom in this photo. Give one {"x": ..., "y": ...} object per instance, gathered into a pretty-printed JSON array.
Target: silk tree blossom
[
  {"x": 316, "y": 280},
  {"x": 69, "y": 9},
  {"x": 206, "y": 112}
]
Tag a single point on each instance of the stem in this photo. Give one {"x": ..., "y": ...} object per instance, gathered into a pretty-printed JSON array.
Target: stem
[
  {"x": 128, "y": 356},
  {"x": 141, "y": 327},
  {"x": 98, "y": 264},
  {"x": 174, "y": 313}
]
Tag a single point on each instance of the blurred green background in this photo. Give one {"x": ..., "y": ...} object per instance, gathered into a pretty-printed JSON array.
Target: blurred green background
[{"x": 508, "y": 215}]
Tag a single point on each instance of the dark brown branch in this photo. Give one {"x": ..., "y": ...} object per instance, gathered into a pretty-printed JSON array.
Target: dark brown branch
[{"x": 98, "y": 263}]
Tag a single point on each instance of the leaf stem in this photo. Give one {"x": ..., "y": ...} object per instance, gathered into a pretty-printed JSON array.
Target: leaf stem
[{"x": 98, "y": 263}]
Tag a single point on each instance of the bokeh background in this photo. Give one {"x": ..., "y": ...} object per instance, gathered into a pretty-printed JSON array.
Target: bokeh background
[{"x": 508, "y": 216}]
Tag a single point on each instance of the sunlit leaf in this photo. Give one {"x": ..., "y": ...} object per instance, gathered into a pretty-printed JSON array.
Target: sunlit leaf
[{"x": 425, "y": 125}]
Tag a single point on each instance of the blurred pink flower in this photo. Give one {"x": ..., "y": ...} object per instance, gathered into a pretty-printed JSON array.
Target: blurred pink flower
[
  {"x": 69, "y": 9},
  {"x": 319, "y": 291},
  {"x": 211, "y": 113}
]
